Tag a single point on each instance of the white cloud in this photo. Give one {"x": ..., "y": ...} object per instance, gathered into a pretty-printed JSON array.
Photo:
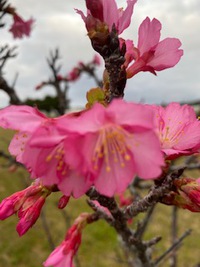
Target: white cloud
[{"x": 57, "y": 25}]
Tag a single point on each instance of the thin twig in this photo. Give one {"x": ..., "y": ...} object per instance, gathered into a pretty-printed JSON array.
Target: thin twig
[
  {"x": 47, "y": 230},
  {"x": 143, "y": 225},
  {"x": 173, "y": 259},
  {"x": 11, "y": 160},
  {"x": 186, "y": 166},
  {"x": 15, "y": 79},
  {"x": 90, "y": 70},
  {"x": 66, "y": 217},
  {"x": 102, "y": 214},
  {"x": 174, "y": 246},
  {"x": 6, "y": 53},
  {"x": 152, "y": 242}
]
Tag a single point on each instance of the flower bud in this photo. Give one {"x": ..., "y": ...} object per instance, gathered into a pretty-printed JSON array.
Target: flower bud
[
  {"x": 27, "y": 204},
  {"x": 63, "y": 201},
  {"x": 186, "y": 194}
]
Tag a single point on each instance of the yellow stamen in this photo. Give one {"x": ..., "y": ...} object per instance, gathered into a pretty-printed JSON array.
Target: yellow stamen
[{"x": 111, "y": 147}]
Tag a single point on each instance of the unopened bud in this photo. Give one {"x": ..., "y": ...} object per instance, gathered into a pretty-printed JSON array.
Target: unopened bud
[{"x": 63, "y": 201}]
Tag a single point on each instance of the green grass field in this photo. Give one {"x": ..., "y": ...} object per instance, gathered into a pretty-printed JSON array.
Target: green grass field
[{"x": 100, "y": 247}]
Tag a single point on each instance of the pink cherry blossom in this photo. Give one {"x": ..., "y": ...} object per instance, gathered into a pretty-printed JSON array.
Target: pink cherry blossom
[
  {"x": 107, "y": 12},
  {"x": 27, "y": 204},
  {"x": 113, "y": 144},
  {"x": 101, "y": 146},
  {"x": 45, "y": 157},
  {"x": 63, "y": 255},
  {"x": 178, "y": 129},
  {"x": 39, "y": 145},
  {"x": 152, "y": 54},
  {"x": 21, "y": 27}
]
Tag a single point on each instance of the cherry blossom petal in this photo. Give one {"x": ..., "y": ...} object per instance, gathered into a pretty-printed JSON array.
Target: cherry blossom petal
[
  {"x": 148, "y": 35},
  {"x": 23, "y": 118}
]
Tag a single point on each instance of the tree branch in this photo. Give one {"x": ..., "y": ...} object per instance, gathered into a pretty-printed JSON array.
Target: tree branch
[{"x": 156, "y": 192}]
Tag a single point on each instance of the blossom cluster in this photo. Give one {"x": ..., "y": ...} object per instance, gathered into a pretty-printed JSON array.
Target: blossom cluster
[
  {"x": 150, "y": 54},
  {"x": 107, "y": 144},
  {"x": 99, "y": 147},
  {"x": 103, "y": 147},
  {"x": 27, "y": 204}
]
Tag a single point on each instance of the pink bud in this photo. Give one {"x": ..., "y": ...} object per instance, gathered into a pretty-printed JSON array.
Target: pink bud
[
  {"x": 63, "y": 201},
  {"x": 186, "y": 194},
  {"x": 27, "y": 204},
  {"x": 29, "y": 216},
  {"x": 74, "y": 74},
  {"x": 64, "y": 253}
]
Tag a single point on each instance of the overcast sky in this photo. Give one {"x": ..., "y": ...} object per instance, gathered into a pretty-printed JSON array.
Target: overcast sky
[{"x": 57, "y": 25}]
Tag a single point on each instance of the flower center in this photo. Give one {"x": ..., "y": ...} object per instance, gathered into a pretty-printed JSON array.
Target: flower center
[
  {"x": 58, "y": 155},
  {"x": 170, "y": 136},
  {"x": 111, "y": 147}
]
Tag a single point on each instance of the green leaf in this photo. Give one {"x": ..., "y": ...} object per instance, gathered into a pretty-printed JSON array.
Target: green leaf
[{"x": 95, "y": 95}]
